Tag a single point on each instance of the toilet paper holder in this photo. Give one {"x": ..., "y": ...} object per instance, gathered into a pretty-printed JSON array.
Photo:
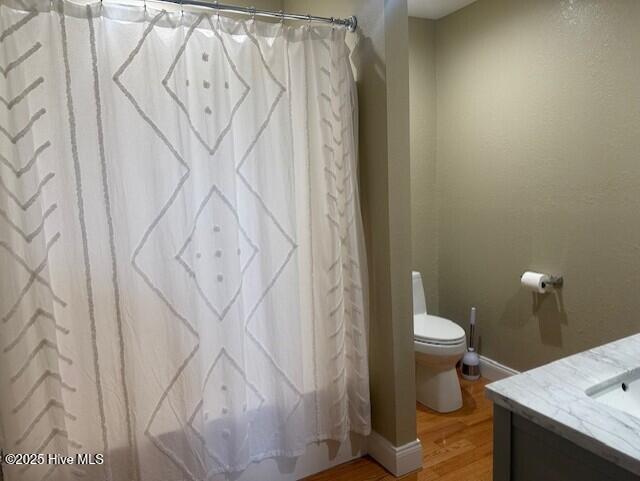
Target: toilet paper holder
[
  {"x": 540, "y": 282},
  {"x": 555, "y": 281}
]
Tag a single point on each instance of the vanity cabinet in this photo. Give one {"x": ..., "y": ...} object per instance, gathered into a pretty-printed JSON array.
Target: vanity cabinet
[{"x": 525, "y": 451}]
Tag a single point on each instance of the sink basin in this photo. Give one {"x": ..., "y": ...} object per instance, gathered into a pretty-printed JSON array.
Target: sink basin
[{"x": 622, "y": 393}]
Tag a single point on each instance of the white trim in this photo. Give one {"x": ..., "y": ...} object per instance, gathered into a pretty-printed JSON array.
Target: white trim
[
  {"x": 494, "y": 371},
  {"x": 398, "y": 460}
]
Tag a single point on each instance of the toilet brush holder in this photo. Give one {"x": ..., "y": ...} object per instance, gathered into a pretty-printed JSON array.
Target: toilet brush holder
[
  {"x": 471, "y": 361},
  {"x": 471, "y": 365}
]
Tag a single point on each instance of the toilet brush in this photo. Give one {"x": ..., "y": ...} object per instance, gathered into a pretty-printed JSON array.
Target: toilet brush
[{"x": 471, "y": 360}]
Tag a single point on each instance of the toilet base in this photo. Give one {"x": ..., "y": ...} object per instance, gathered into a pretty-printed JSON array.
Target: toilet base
[{"x": 438, "y": 388}]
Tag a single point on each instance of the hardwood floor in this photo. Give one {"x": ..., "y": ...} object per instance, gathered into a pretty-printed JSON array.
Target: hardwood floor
[{"x": 456, "y": 446}]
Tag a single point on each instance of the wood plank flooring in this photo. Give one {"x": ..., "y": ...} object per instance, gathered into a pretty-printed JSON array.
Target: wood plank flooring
[{"x": 456, "y": 446}]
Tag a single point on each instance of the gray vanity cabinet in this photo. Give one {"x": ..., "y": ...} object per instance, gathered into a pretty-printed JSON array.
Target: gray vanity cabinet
[{"x": 525, "y": 451}]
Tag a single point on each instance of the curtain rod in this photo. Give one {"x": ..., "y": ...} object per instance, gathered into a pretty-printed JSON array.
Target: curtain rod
[{"x": 350, "y": 23}]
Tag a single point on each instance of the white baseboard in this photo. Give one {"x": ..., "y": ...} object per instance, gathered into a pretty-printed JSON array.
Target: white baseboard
[
  {"x": 494, "y": 371},
  {"x": 398, "y": 460}
]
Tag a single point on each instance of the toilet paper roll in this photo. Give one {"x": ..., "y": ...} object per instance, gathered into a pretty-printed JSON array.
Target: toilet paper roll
[{"x": 535, "y": 281}]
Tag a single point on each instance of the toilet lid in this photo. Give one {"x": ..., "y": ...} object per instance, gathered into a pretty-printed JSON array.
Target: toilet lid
[{"x": 436, "y": 329}]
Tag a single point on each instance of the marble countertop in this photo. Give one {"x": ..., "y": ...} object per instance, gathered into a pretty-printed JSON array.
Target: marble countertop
[{"x": 554, "y": 397}]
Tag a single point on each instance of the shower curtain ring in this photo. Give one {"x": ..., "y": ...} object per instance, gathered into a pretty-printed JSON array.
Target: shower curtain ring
[
  {"x": 182, "y": 8},
  {"x": 281, "y": 16},
  {"x": 253, "y": 13}
]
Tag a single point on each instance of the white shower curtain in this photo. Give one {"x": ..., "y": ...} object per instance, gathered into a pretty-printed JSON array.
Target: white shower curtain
[{"x": 182, "y": 278}]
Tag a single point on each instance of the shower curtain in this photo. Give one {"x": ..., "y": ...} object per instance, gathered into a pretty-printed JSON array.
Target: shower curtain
[{"x": 182, "y": 275}]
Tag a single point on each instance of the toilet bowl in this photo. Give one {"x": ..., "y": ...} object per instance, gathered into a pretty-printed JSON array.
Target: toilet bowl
[{"x": 438, "y": 344}]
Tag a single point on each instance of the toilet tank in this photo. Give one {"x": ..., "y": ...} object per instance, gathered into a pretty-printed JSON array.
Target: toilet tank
[{"x": 419, "y": 302}]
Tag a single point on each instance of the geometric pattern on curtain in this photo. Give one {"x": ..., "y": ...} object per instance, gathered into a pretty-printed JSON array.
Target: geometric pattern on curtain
[{"x": 183, "y": 280}]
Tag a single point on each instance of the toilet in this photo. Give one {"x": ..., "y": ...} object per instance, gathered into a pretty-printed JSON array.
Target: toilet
[{"x": 439, "y": 344}]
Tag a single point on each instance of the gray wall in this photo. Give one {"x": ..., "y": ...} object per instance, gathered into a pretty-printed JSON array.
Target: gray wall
[
  {"x": 424, "y": 174},
  {"x": 538, "y": 125}
]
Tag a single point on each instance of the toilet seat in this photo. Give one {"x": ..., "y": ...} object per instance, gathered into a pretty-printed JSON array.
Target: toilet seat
[
  {"x": 439, "y": 351},
  {"x": 434, "y": 330}
]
